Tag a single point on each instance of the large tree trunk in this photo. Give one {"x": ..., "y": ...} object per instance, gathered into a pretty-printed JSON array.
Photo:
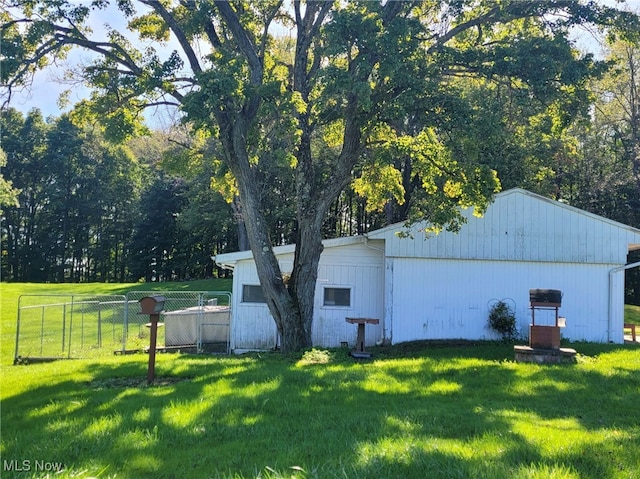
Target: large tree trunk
[
  {"x": 243, "y": 239},
  {"x": 293, "y": 327},
  {"x": 292, "y": 307},
  {"x": 294, "y": 330},
  {"x": 302, "y": 284}
]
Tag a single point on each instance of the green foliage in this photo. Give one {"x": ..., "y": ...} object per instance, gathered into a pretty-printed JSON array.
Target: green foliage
[
  {"x": 502, "y": 320},
  {"x": 8, "y": 194},
  {"x": 88, "y": 193},
  {"x": 156, "y": 238},
  {"x": 82, "y": 189}
]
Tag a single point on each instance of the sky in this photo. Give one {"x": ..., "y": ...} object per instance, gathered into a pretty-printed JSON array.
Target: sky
[{"x": 48, "y": 85}]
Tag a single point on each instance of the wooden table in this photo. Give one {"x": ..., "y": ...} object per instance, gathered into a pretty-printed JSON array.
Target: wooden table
[{"x": 359, "y": 351}]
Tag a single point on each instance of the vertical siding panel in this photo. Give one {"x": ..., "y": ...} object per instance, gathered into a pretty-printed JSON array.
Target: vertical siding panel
[
  {"x": 618, "y": 237},
  {"x": 475, "y": 240},
  {"x": 462, "y": 244},
  {"x": 397, "y": 245},
  {"x": 616, "y": 333},
  {"x": 430, "y": 309},
  {"x": 510, "y": 229},
  {"x": 560, "y": 244},
  {"x": 568, "y": 234},
  {"x": 614, "y": 236},
  {"x": 591, "y": 246},
  {"x": 524, "y": 231},
  {"x": 582, "y": 238},
  {"x": 598, "y": 239},
  {"x": 389, "y": 316},
  {"x": 537, "y": 247},
  {"x": 499, "y": 247},
  {"x": 575, "y": 237},
  {"x": 452, "y": 245},
  {"x": 606, "y": 239}
]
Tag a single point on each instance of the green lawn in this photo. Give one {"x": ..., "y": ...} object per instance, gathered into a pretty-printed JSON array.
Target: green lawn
[
  {"x": 10, "y": 293},
  {"x": 413, "y": 411},
  {"x": 632, "y": 314}
]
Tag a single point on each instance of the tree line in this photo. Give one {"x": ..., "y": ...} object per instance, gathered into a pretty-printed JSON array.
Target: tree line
[
  {"x": 89, "y": 210},
  {"x": 152, "y": 208},
  {"x": 157, "y": 207}
]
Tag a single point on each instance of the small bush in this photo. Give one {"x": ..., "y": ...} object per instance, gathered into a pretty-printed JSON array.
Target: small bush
[
  {"x": 502, "y": 319},
  {"x": 316, "y": 356}
]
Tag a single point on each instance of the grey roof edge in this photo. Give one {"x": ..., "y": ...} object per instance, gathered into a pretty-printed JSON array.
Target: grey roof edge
[{"x": 234, "y": 257}]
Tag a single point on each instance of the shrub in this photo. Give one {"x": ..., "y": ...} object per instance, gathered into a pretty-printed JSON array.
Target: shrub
[{"x": 502, "y": 319}]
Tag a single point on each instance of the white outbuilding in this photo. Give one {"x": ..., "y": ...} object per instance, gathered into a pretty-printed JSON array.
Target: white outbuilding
[{"x": 443, "y": 286}]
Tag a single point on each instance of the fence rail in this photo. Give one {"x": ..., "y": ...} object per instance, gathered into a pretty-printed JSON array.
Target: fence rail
[{"x": 69, "y": 326}]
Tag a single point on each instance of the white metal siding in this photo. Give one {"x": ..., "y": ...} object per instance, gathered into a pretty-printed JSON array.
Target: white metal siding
[
  {"x": 446, "y": 299},
  {"x": 252, "y": 326},
  {"x": 367, "y": 283},
  {"x": 441, "y": 287},
  {"x": 355, "y": 266},
  {"x": 522, "y": 227}
]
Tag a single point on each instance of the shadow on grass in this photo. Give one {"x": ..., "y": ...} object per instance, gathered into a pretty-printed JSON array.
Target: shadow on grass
[{"x": 416, "y": 411}]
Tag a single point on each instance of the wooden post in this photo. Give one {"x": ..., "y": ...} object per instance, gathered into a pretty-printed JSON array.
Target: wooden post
[
  {"x": 153, "y": 306},
  {"x": 151, "y": 370}
]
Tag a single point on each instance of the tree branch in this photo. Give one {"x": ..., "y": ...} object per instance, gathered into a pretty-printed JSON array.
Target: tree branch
[
  {"x": 177, "y": 31},
  {"x": 512, "y": 11},
  {"x": 244, "y": 42}
]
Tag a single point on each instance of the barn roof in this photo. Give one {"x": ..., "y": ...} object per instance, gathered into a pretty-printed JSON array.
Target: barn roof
[
  {"x": 397, "y": 227},
  {"x": 520, "y": 226},
  {"x": 531, "y": 227}
]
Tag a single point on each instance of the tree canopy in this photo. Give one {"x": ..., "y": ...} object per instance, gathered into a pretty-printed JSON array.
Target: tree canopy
[{"x": 313, "y": 96}]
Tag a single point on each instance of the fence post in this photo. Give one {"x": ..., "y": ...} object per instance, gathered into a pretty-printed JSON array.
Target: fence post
[
  {"x": 64, "y": 325},
  {"x": 99, "y": 324},
  {"x": 16, "y": 355},
  {"x": 125, "y": 325},
  {"x": 70, "y": 326}
]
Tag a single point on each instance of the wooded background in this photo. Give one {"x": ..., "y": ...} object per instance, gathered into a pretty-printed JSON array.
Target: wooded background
[{"x": 78, "y": 206}]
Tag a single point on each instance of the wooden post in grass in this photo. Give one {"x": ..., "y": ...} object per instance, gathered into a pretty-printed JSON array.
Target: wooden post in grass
[{"x": 153, "y": 306}]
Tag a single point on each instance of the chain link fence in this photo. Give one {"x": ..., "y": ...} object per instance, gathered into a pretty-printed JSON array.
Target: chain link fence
[
  {"x": 66, "y": 326},
  {"x": 192, "y": 321},
  {"x": 71, "y": 326}
]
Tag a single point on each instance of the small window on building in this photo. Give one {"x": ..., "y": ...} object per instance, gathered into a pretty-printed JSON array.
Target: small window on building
[
  {"x": 337, "y": 297},
  {"x": 252, "y": 293}
]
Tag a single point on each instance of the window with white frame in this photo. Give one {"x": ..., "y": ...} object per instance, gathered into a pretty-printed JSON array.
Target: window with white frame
[{"x": 337, "y": 296}]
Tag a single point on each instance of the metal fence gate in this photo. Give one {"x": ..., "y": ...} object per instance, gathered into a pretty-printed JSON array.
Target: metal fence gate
[
  {"x": 71, "y": 326},
  {"x": 66, "y": 326}
]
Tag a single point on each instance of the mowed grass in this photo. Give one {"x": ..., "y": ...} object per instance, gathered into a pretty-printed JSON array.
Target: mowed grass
[
  {"x": 632, "y": 314},
  {"x": 11, "y": 292},
  {"x": 418, "y": 410}
]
